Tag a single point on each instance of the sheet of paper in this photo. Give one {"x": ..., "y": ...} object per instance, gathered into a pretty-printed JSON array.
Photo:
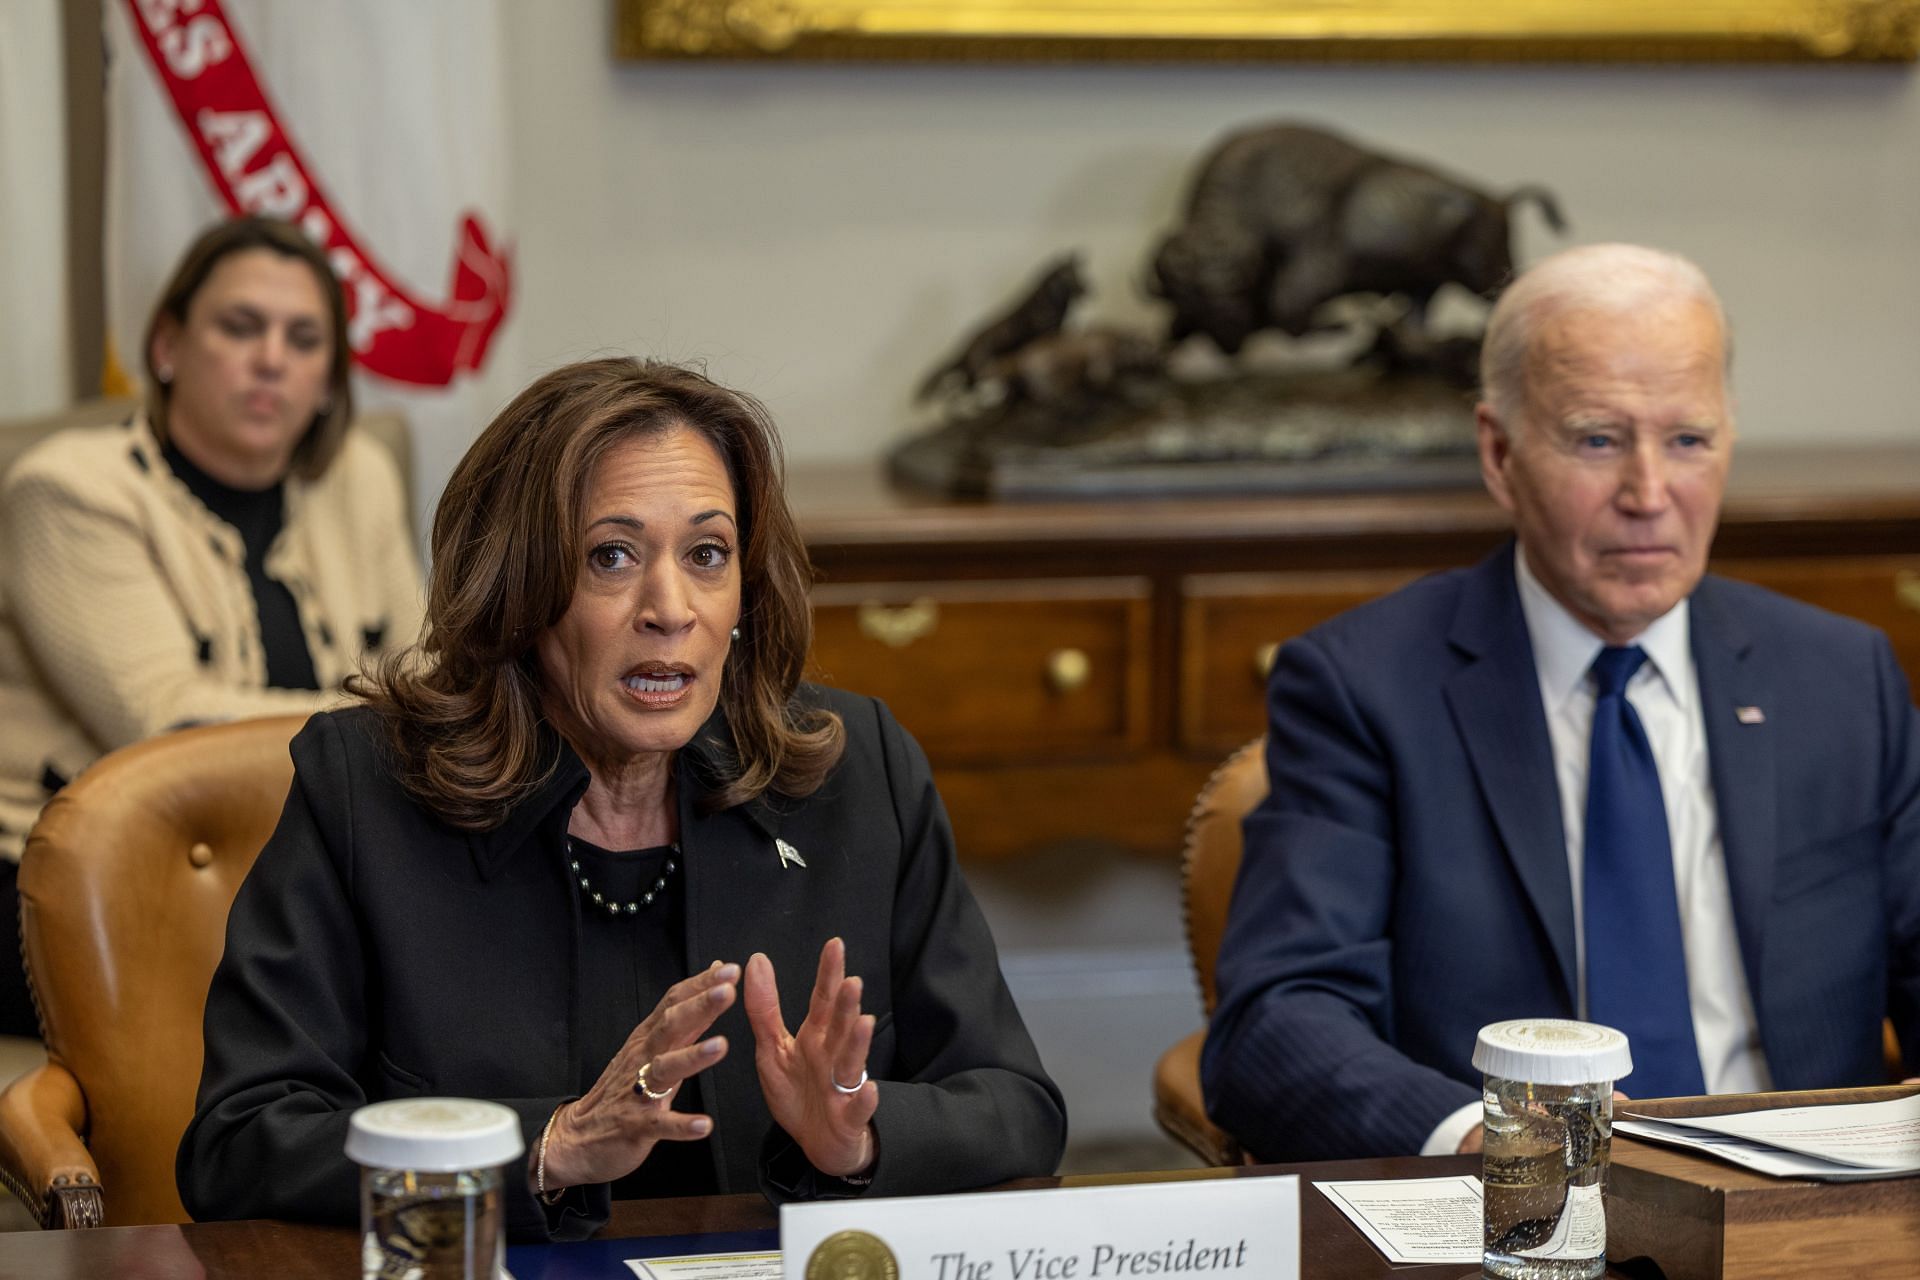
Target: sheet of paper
[
  {"x": 709, "y": 1266},
  {"x": 1748, "y": 1155},
  {"x": 1414, "y": 1220},
  {"x": 1883, "y": 1136}
]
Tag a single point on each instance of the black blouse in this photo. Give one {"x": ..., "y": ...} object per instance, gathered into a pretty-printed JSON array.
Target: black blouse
[
  {"x": 627, "y": 962},
  {"x": 258, "y": 516}
]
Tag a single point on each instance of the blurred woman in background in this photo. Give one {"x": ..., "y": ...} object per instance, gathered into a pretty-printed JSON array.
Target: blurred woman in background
[{"x": 232, "y": 550}]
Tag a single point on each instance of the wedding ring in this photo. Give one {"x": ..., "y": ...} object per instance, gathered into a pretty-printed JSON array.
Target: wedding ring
[
  {"x": 855, "y": 1087},
  {"x": 640, "y": 1084}
]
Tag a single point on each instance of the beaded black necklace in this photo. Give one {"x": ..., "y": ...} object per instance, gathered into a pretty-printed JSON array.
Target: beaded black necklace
[{"x": 615, "y": 908}]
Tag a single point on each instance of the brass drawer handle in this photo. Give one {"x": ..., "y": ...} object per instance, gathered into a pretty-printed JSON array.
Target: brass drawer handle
[
  {"x": 1263, "y": 660},
  {"x": 899, "y": 626},
  {"x": 1068, "y": 669},
  {"x": 1906, "y": 589}
]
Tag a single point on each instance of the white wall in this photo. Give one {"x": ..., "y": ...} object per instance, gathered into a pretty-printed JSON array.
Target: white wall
[{"x": 821, "y": 234}]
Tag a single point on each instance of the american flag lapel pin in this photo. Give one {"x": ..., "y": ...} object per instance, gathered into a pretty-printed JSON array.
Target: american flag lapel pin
[
  {"x": 1749, "y": 715},
  {"x": 788, "y": 854}
]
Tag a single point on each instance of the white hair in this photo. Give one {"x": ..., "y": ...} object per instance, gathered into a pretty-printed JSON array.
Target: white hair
[{"x": 1611, "y": 278}]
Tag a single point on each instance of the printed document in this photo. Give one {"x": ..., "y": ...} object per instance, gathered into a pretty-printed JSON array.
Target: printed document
[
  {"x": 1843, "y": 1142},
  {"x": 1748, "y": 1155},
  {"x": 709, "y": 1266},
  {"x": 1415, "y": 1220}
]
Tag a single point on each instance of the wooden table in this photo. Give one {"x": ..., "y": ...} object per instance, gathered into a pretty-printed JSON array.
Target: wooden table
[
  {"x": 1331, "y": 1248},
  {"x": 1709, "y": 1219}
]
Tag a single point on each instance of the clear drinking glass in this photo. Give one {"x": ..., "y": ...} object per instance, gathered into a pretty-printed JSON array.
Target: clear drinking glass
[
  {"x": 431, "y": 1226},
  {"x": 431, "y": 1200},
  {"x": 1548, "y": 1098}
]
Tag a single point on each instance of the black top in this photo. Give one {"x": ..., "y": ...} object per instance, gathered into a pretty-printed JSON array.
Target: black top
[
  {"x": 257, "y": 515},
  {"x": 627, "y": 962}
]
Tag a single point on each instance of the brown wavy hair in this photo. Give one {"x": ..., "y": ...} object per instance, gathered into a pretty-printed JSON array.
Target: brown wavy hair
[
  {"x": 463, "y": 706},
  {"x": 328, "y": 430}
]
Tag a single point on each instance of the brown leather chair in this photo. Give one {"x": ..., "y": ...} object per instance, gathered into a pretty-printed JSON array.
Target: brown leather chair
[
  {"x": 124, "y": 891},
  {"x": 1209, "y": 862}
]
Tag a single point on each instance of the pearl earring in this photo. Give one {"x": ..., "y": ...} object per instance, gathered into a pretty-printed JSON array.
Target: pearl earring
[
  {"x": 736, "y": 633},
  {"x": 164, "y": 373}
]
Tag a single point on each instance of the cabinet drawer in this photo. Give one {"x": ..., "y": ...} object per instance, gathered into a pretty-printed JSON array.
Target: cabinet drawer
[
  {"x": 995, "y": 670},
  {"x": 1883, "y": 591},
  {"x": 1230, "y": 626}
]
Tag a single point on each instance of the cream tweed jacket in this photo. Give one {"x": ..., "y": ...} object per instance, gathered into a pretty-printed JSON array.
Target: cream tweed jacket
[{"x": 125, "y": 609}]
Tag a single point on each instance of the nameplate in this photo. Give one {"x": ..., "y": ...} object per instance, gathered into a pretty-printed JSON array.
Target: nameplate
[{"x": 1216, "y": 1229}]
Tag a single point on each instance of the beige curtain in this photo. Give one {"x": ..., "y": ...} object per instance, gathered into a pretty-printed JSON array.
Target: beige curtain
[{"x": 35, "y": 346}]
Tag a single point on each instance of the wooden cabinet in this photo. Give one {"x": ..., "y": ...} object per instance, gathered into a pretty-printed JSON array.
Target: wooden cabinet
[
  {"x": 1075, "y": 670},
  {"x": 1882, "y": 590},
  {"x": 997, "y": 672},
  {"x": 1230, "y": 626}
]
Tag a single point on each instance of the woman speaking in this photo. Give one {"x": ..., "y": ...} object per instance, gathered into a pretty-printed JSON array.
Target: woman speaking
[{"x": 595, "y": 852}]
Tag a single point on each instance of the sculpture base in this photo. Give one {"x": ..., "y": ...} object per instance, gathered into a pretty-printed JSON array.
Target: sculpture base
[{"x": 1295, "y": 432}]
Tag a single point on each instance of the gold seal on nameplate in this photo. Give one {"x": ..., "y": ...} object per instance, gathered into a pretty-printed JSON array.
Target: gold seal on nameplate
[{"x": 852, "y": 1255}]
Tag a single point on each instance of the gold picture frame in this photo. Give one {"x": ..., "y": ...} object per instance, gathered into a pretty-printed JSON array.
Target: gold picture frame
[{"x": 1245, "y": 30}]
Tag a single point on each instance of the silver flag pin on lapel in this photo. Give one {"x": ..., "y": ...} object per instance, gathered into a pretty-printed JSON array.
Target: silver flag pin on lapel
[
  {"x": 788, "y": 854},
  {"x": 1749, "y": 715}
]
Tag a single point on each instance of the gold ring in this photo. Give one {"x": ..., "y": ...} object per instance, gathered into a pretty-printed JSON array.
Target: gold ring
[{"x": 640, "y": 1084}]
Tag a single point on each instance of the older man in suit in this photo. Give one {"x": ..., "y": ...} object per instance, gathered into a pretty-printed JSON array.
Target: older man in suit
[{"x": 1581, "y": 779}]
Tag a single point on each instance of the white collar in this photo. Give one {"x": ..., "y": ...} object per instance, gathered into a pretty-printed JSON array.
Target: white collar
[{"x": 1564, "y": 649}]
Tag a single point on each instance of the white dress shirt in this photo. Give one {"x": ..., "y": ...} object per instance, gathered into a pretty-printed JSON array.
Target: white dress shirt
[{"x": 1665, "y": 693}]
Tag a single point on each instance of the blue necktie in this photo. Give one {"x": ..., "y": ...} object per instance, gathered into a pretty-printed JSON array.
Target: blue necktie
[{"x": 1636, "y": 963}]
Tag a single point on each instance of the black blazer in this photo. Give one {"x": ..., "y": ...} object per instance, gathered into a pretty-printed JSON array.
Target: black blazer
[{"x": 375, "y": 952}]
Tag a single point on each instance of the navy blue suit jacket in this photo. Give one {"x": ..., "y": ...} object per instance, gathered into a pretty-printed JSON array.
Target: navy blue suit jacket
[{"x": 1405, "y": 882}]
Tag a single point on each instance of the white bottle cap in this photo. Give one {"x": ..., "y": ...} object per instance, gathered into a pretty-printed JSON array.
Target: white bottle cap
[
  {"x": 1554, "y": 1051},
  {"x": 434, "y": 1135}
]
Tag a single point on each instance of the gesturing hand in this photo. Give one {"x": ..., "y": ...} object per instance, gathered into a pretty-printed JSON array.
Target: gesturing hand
[
  {"x": 608, "y": 1132},
  {"x": 803, "y": 1075}
]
